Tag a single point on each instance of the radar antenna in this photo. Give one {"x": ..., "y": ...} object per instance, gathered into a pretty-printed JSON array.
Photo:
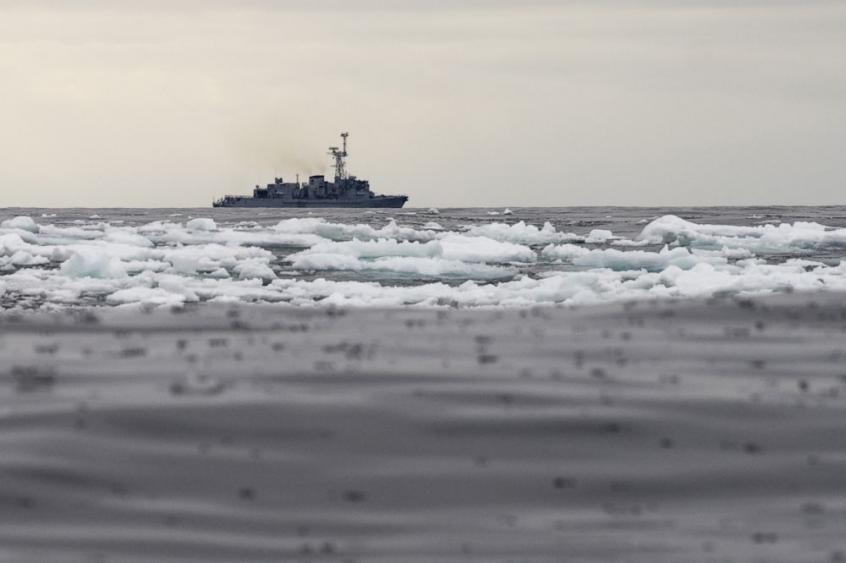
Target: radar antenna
[{"x": 339, "y": 155}]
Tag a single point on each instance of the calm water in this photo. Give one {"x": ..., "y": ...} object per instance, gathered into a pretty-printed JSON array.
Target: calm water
[
  {"x": 625, "y": 220},
  {"x": 657, "y": 432},
  {"x": 418, "y": 386}
]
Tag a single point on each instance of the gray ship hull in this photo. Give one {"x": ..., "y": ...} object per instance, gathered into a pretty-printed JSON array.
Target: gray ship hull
[
  {"x": 346, "y": 191},
  {"x": 394, "y": 202}
]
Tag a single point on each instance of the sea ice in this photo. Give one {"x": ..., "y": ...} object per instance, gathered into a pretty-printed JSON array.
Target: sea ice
[
  {"x": 21, "y": 222},
  {"x": 89, "y": 263},
  {"x": 521, "y": 233},
  {"x": 201, "y": 224},
  {"x": 599, "y": 236},
  {"x": 452, "y": 255},
  {"x": 796, "y": 237},
  {"x": 629, "y": 260},
  {"x": 342, "y": 232},
  {"x": 254, "y": 269},
  {"x": 166, "y": 263}
]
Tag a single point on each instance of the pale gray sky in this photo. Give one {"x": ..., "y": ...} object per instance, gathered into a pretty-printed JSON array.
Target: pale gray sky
[{"x": 456, "y": 103}]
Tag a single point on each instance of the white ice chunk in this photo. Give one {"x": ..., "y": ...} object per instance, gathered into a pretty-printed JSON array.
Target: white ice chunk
[
  {"x": 254, "y": 269},
  {"x": 564, "y": 252},
  {"x": 22, "y": 258},
  {"x": 522, "y": 233},
  {"x": 631, "y": 260},
  {"x": 147, "y": 296},
  {"x": 412, "y": 265},
  {"x": 11, "y": 243},
  {"x": 800, "y": 236},
  {"x": 201, "y": 224},
  {"x": 340, "y": 231},
  {"x": 126, "y": 236},
  {"x": 21, "y": 222},
  {"x": 483, "y": 249},
  {"x": 452, "y": 247},
  {"x": 599, "y": 236},
  {"x": 91, "y": 263}
]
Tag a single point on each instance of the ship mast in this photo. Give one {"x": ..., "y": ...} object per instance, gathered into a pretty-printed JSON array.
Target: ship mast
[{"x": 339, "y": 155}]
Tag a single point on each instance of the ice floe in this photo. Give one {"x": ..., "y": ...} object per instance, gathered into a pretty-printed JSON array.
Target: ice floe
[
  {"x": 599, "y": 236},
  {"x": 784, "y": 237},
  {"x": 312, "y": 261},
  {"x": 91, "y": 263},
  {"x": 631, "y": 260},
  {"x": 522, "y": 233},
  {"x": 452, "y": 255},
  {"x": 201, "y": 224},
  {"x": 22, "y": 223},
  {"x": 340, "y": 231}
]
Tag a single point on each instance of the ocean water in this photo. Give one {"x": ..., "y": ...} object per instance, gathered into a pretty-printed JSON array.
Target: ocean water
[
  {"x": 659, "y": 431},
  {"x": 424, "y": 257},
  {"x": 416, "y": 386}
]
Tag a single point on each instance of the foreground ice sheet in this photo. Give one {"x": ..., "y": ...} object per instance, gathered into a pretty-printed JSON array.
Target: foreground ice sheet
[
  {"x": 647, "y": 433},
  {"x": 308, "y": 261}
]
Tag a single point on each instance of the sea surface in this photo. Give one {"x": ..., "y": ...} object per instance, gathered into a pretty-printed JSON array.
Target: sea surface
[{"x": 589, "y": 385}]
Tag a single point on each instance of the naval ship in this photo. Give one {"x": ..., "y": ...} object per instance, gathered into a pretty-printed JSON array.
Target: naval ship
[{"x": 345, "y": 191}]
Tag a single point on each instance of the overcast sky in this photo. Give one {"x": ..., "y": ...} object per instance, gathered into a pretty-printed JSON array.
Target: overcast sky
[{"x": 456, "y": 103}]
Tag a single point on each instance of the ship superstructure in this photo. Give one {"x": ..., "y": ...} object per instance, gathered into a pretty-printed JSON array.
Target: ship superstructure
[{"x": 345, "y": 191}]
